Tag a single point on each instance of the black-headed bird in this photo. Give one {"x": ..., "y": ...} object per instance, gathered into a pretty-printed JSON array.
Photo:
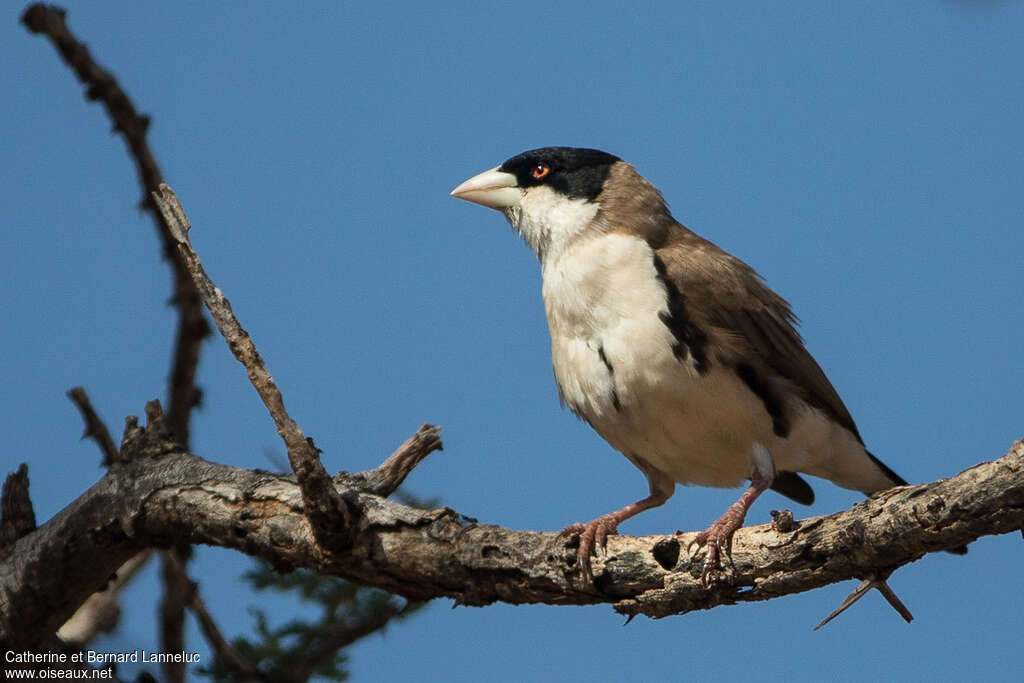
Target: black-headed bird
[{"x": 676, "y": 352}]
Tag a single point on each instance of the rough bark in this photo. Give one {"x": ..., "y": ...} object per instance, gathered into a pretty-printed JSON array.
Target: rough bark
[
  {"x": 328, "y": 512},
  {"x": 161, "y": 496}
]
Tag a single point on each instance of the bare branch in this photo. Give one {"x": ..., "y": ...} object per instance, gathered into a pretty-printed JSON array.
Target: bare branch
[
  {"x": 162, "y": 496},
  {"x": 244, "y": 670},
  {"x": 101, "y": 611},
  {"x": 176, "y": 594},
  {"x": 326, "y": 509},
  {"x": 384, "y": 480},
  {"x": 873, "y": 538},
  {"x": 94, "y": 427},
  {"x": 17, "y": 516},
  {"x": 101, "y": 86},
  {"x": 183, "y": 394}
]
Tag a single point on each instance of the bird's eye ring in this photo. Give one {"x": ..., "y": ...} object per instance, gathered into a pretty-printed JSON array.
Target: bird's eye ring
[{"x": 540, "y": 170}]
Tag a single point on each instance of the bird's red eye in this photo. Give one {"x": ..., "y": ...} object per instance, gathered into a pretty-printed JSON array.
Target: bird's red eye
[{"x": 540, "y": 170}]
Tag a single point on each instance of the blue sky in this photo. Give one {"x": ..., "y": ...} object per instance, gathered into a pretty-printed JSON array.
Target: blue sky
[{"x": 866, "y": 158}]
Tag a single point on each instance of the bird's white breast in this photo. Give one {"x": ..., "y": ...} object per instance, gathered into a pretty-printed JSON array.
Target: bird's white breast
[{"x": 615, "y": 367}]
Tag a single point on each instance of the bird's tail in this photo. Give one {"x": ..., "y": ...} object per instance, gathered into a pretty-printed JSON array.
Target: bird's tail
[{"x": 896, "y": 479}]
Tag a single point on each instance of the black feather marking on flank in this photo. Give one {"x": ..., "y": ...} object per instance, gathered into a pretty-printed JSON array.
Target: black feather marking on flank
[
  {"x": 780, "y": 425},
  {"x": 793, "y": 486},
  {"x": 611, "y": 372},
  {"x": 896, "y": 479},
  {"x": 690, "y": 339}
]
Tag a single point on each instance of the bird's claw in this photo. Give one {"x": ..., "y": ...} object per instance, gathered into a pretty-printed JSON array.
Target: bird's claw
[
  {"x": 717, "y": 538},
  {"x": 594, "y": 534}
]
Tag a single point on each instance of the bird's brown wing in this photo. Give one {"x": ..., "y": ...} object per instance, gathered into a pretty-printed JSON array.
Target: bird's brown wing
[{"x": 727, "y": 297}]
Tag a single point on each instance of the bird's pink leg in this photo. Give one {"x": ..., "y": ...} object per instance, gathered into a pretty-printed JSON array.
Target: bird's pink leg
[
  {"x": 718, "y": 536},
  {"x": 595, "y": 532}
]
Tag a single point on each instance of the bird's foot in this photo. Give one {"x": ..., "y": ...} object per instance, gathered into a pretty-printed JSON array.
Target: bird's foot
[
  {"x": 718, "y": 540},
  {"x": 595, "y": 533},
  {"x": 718, "y": 536},
  {"x": 592, "y": 535}
]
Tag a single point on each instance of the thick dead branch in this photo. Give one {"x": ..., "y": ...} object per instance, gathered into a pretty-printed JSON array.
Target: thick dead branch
[
  {"x": 164, "y": 496},
  {"x": 326, "y": 509}
]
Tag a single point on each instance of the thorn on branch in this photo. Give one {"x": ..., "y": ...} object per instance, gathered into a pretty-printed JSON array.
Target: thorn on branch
[
  {"x": 873, "y": 581},
  {"x": 94, "y": 426},
  {"x": 327, "y": 511},
  {"x": 17, "y": 517}
]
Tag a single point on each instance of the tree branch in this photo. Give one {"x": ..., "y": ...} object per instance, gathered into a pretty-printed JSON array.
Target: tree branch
[
  {"x": 101, "y": 86},
  {"x": 164, "y": 496},
  {"x": 385, "y": 480},
  {"x": 243, "y": 670},
  {"x": 95, "y": 428},
  {"x": 172, "y": 608},
  {"x": 183, "y": 394},
  {"x": 17, "y": 516},
  {"x": 326, "y": 509},
  {"x": 101, "y": 611}
]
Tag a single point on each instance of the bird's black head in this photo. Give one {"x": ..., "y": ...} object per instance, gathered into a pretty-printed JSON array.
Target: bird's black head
[{"x": 576, "y": 172}]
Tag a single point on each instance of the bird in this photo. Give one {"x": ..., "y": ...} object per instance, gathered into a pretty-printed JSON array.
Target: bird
[{"x": 674, "y": 351}]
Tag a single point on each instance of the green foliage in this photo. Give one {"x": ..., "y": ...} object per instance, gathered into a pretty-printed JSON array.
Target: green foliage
[{"x": 347, "y": 612}]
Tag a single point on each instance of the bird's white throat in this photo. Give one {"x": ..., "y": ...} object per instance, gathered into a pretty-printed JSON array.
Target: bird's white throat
[{"x": 548, "y": 221}]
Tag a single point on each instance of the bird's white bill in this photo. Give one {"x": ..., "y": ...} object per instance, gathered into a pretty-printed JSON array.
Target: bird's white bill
[{"x": 494, "y": 189}]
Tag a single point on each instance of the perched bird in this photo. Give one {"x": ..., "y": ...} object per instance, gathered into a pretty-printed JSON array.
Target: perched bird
[{"x": 676, "y": 352}]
